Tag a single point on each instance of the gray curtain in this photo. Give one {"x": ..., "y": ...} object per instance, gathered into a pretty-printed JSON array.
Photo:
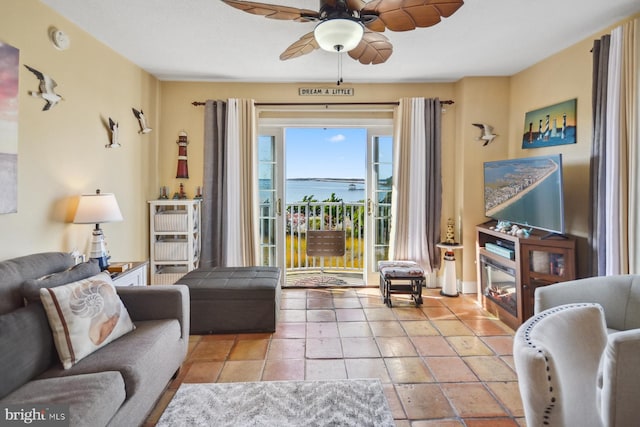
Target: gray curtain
[
  {"x": 597, "y": 222},
  {"x": 215, "y": 113},
  {"x": 433, "y": 129}
]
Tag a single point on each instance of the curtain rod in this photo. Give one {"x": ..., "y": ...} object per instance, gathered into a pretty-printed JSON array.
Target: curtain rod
[{"x": 283, "y": 104}]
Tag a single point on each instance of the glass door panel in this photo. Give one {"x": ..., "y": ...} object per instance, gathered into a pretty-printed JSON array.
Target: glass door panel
[
  {"x": 379, "y": 202},
  {"x": 269, "y": 199}
]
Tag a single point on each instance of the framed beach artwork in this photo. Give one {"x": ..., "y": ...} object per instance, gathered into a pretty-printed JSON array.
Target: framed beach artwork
[
  {"x": 548, "y": 126},
  {"x": 9, "y": 61}
]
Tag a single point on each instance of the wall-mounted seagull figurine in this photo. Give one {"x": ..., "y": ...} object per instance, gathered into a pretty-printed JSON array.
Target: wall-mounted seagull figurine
[
  {"x": 46, "y": 89},
  {"x": 113, "y": 127},
  {"x": 142, "y": 121},
  {"x": 486, "y": 135}
]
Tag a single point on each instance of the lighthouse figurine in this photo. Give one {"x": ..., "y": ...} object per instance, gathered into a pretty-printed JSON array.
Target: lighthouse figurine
[{"x": 183, "y": 170}]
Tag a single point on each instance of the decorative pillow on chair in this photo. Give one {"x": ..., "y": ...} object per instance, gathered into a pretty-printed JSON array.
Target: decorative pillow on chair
[
  {"x": 30, "y": 288},
  {"x": 84, "y": 316}
]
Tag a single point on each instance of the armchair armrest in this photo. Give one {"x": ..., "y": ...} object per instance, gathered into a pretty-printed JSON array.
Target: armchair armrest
[
  {"x": 157, "y": 303},
  {"x": 619, "y": 380}
]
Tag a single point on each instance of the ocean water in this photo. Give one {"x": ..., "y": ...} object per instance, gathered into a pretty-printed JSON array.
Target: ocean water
[
  {"x": 542, "y": 207},
  {"x": 296, "y": 189},
  {"x": 348, "y": 191}
]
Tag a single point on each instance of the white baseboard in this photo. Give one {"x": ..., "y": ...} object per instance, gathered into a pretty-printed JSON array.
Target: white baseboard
[{"x": 468, "y": 287}]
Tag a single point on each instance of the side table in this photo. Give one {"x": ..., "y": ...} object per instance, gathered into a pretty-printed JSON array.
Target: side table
[
  {"x": 136, "y": 275},
  {"x": 449, "y": 280}
]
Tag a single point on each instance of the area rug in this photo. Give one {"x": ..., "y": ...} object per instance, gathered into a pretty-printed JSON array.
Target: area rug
[
  {"x": 319, "y": 281},
  {"x": 280, "y": 403}
]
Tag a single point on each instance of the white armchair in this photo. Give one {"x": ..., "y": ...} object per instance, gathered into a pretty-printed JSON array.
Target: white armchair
[
  {"x": 556, "y": 354},
  {"x": 572, "y": 373},
  {"x": 618, "y": 295},
  {"x": 619, "y": 381}
]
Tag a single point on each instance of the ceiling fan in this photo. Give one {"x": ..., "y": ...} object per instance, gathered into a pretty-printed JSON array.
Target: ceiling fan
[{"x": 354, "y": 26}]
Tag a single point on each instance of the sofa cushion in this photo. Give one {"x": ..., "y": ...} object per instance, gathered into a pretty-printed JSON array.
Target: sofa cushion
[
  {"x": 26, "y": 346},
  {"x": 93, "y": 399},
  {"x": 30, "y": 288},
  {"x": 15, "y": 271},
  {"x": 84, "y": 316},
  {"x": 151, "y": 352}
]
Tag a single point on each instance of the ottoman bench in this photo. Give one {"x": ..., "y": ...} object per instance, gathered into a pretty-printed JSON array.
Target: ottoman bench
[
  {"x": 401, "y": 277},
  {"x": 233, "y": 299}
]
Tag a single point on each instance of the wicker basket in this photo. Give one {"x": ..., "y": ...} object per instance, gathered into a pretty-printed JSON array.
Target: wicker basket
[
  {"x": 168, "y": 221},
  {"x": 171, "y": 250},
  {"x": 168, "y": 275}
]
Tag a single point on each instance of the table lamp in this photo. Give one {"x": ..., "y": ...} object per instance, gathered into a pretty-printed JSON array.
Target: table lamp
[{"x": 96, "y": 209}]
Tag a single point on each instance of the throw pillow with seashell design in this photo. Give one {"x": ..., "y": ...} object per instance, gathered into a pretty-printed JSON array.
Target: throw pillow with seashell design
[{"x": 84, "y": 316}]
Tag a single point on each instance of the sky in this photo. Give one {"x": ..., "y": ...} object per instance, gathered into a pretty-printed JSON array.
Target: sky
[{"x": 326, "y": 152}]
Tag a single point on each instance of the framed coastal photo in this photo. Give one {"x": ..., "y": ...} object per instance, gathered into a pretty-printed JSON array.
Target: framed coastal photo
[
  {"x": 548, "y": 126},
  {"x": 9, "y": 61}
]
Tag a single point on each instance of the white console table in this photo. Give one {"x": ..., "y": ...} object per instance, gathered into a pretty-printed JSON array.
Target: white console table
[{"x": 136, "y": 275}]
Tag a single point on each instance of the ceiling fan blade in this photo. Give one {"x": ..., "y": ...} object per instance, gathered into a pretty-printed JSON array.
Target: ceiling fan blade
[
  {"x": 306, "y": 44},
  {"x": 374, "y": 48},
  {"x": 405, "y": 15},
  {"x": 376, "y": 25},
  {"x": 274, "y": 11},
  {"x": 356, "y": 4}
]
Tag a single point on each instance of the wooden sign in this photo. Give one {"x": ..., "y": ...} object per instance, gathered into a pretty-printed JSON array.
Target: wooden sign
[{"x": 325, "y": 91}]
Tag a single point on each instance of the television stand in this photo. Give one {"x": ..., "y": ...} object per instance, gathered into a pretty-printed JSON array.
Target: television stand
[
  {"x": 508, "y": 278},
  {"x": 557, "y": 235}
]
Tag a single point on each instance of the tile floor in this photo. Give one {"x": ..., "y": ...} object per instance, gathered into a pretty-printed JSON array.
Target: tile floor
[{"x": 447, "y": 363}]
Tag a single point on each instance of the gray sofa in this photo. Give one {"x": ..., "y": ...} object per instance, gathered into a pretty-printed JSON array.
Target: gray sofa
[{"x": 120, "y": 383}]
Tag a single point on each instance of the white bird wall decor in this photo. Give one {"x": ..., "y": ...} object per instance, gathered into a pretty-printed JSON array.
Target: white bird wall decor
[
  {"x": 144, "y": 128},
  {"x": 486, "y": 133},
  {"x": 113, "y": 127},
  {"x": 46, "y": 89}
]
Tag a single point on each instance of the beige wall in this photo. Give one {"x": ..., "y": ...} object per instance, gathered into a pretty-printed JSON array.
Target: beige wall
[
  {"x": 61, "y": 152},
  {"x": 480, "y": 100},
  {"x": 564, "y": 76}
]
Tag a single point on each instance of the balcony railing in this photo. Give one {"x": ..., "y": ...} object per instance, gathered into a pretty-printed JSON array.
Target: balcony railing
[{"x": 305, "y": 216}]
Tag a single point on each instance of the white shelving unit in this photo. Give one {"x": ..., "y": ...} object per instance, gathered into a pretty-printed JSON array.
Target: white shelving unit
[{"x": 174, "y": 233}]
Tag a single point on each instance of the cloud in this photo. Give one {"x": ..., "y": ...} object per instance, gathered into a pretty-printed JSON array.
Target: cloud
[{"x": 337, "y": 138}]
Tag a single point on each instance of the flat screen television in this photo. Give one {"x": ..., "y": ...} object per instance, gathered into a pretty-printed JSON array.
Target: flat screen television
[{"x": 526, "y": 191}]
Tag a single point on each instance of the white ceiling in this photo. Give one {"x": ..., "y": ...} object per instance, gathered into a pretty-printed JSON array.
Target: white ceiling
[{"x": 207, "y": 40}]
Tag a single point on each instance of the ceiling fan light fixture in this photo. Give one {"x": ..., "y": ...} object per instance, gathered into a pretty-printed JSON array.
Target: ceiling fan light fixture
[{"x": 339, "y": 34}]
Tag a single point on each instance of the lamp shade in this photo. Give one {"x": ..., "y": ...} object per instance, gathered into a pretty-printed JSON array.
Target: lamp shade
[
  {"x": 97, "y": 208},
  {"x": 339, "y": 34}
]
